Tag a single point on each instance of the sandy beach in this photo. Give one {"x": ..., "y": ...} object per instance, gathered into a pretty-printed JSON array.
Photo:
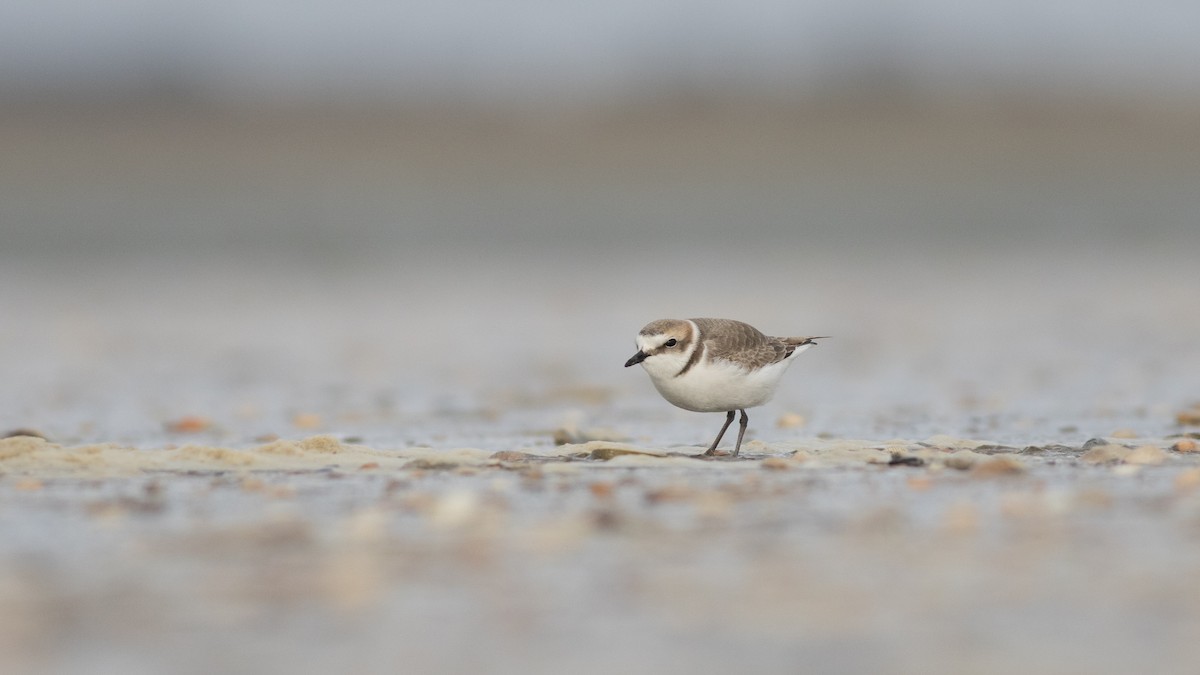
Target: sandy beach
[{"x": 311, "y": 393}]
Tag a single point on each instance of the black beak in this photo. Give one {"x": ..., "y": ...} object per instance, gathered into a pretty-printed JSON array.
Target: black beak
[{"x": 636, "y": 358}]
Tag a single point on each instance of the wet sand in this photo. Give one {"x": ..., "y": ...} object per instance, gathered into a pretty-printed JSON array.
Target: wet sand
[{"x": 837, "y": 555}]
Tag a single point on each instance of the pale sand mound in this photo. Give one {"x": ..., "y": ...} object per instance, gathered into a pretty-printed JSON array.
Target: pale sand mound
[{"x": 29, "y": 456}]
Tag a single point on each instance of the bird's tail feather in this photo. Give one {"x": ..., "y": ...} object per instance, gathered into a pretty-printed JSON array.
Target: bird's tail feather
[{"x": 797, "y": 341}]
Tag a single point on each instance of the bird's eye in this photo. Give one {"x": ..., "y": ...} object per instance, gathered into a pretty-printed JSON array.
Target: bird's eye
[{"x": 671, "y": 343}]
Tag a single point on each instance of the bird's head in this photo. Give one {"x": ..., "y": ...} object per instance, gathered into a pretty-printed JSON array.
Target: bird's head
[{"x": 662, "y": 337}]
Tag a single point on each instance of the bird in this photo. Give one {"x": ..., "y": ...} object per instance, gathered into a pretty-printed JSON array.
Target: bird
[{"x": 715, "y": 365}]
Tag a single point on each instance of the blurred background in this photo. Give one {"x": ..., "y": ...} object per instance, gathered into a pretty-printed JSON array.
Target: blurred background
[
  {"x": 443, "y": 223},
  {"x": 254, "y": 209}
]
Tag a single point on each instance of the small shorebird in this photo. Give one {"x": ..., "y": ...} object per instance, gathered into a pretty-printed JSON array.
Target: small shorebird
[{"x": 715, "y": 365}]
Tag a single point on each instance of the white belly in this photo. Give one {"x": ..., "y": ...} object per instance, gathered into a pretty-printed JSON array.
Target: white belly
[{"x": 716, "y": 386}]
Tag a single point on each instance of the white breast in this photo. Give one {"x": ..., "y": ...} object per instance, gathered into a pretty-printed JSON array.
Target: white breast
[{"x": 714, "y": 386}]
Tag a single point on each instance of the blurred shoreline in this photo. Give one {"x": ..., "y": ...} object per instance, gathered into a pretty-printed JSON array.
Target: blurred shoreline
[{"x": 159, "y": 177}]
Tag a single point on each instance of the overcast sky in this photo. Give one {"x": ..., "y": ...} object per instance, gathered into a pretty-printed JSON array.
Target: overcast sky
[{"x": 522, "y": 49}]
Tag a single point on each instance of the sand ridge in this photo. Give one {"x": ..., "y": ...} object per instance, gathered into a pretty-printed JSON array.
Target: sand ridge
[{"x": 33, "y": 456}]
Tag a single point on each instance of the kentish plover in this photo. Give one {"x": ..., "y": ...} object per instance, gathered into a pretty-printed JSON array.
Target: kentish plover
[{"x": 715, "y": 365}]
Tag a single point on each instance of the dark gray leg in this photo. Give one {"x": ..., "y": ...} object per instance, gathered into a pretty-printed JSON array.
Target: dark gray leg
[
  {"x": 741, "y": 430},
  {"x": 712, "y": 449}
]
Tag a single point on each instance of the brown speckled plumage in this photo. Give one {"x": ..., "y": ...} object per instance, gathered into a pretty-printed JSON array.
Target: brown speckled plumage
[
  {"x": 706, "y": 347},
  {"x": 743, "y": 344}
]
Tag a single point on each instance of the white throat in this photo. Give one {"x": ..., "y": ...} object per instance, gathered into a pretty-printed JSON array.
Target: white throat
[{"x": 666, "y": 365}]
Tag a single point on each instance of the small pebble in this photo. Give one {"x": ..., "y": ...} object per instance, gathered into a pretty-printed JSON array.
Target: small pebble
[
  {"x": 670, "y": 493},
  {"x": 998, "y": 466},
  {"x": 1103, "y": 454},
  {"x": 1189, "y": 417},
  {"x": 776, "y": 464},
  {"x": 563, "y": 436},
  {"x": 109, "y": 511},
  {"x": 601, "y": 489},
  {"x": 1184, "y": 445},
  {"x": 790, "y": 421},
  {"x": 306, "y": 421},
  {"x": 1124, "y": 433},
  {"x": 28, "y": 485},
  {"x": 606, "y": 519},
  {"x": 189, "y": 424},
  {"x": 1146, "y": 455},
  {"x": 919, "y": 483},
  {"x": 253, "y": 484},
  {"x": 1188, "y": 480},
  {"x": 963, "y": 459}
]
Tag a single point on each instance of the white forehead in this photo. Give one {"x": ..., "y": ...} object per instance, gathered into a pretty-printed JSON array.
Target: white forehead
[{"x": 647, "y": 343}]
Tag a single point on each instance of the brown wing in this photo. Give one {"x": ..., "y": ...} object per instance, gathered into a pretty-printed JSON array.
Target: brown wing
[{"x": 740, "y": 343}]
